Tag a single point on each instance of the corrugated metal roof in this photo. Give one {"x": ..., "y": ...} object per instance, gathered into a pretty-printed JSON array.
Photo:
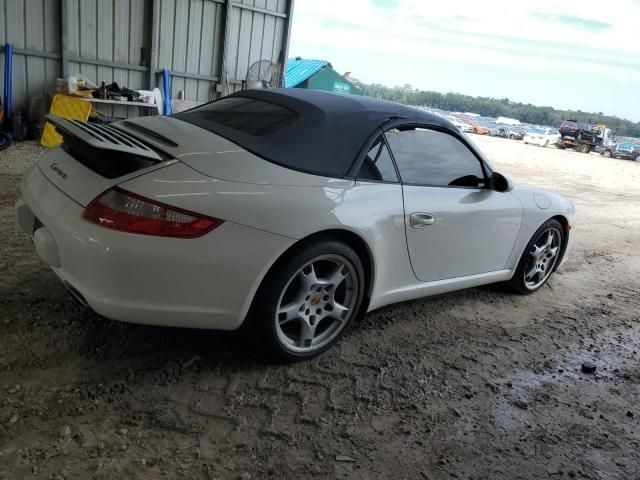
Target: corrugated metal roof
[{"x": 298, "y": 70}]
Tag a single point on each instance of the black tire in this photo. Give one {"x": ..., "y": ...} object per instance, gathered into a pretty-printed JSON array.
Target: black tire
[
  {"x": 512, "y": 137},
  {"x": 517, "y": 282},
  {"x": 560, "y": 146},
  {"x": 261, "y": 323}
]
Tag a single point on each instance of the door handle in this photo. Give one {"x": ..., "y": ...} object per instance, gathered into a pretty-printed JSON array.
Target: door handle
[{"x": 421, "y": 220}]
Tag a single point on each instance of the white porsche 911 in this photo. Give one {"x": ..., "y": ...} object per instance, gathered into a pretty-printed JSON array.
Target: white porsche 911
[{"x": 291, "y": 212}]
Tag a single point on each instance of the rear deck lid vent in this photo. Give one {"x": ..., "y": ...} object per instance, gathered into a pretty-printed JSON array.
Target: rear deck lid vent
[
  {"x": 108, "y": 151},
  {"x": 103, "y": 137}
]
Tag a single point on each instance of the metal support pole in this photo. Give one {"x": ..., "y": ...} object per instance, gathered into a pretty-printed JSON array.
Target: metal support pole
[
  {"x": 64, "y": 38},
  {"x": 285, "y": 39},
  {"x": 224, "y": 75},
  {"x": 155, "y": 22}
]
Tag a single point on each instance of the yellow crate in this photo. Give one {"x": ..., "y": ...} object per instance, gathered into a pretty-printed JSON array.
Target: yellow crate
[{"x": 66, "y": 107}]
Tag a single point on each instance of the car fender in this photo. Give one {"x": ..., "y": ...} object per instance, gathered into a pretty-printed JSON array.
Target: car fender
[
  {"x": 373, "y": 211},
  {"x": 538, "y": 207}
]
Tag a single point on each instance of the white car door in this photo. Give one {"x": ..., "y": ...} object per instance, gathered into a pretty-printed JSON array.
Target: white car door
[{"x": 454, "y": 225}]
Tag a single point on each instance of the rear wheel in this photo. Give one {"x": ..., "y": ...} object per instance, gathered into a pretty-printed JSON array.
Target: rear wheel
[
  {"x": 584, "y": 148},
  {"x": 308, "y": 301},
  {"x": 546, "y": 144},
  {"x": 539, "y": 259},
  {"x": 638, "y": 158}
]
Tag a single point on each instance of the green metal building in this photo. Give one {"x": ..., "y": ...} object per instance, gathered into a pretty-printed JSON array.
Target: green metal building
[{"x": 316, "y": 75}]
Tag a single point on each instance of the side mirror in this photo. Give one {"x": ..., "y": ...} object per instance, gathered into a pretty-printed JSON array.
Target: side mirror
[{"x": 500, "y": 183}]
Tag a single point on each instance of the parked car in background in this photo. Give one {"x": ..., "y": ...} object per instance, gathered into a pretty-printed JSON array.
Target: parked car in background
[
  {"x": 627, "y": 151},
  {"x": 462, "y": 126},
  {"x": 479, "y": 129},
  {"x": 493, "y": 129},
  {"x": 514, "y": 133},
  {"x": 542, "y": 136},
  {"x": 577, "y": 130}
]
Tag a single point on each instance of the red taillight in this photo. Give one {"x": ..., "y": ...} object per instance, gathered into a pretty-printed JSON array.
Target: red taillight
[{"x": 127, "y": 212}]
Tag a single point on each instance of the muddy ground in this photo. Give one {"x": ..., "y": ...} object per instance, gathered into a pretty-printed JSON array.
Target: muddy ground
[{"x": 478, "y": 384}]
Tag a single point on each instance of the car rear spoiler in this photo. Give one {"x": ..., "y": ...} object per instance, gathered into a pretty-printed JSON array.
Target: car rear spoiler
[{"x": 104, "y": 137}]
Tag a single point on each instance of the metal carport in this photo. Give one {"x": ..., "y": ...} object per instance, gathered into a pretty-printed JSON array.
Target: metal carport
[{"x": 207, "y": 45}]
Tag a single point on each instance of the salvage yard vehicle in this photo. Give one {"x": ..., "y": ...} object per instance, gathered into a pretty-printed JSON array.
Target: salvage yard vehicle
[
  {"x": 514, "y": 133},
  {"x": 288, "y": 212},
  {"x": 462, "y": 126},
  {"x": 480, "y": 129},
  {"x": 542, "y": 136},
  {"x": 493, "y": 129},
  {"x": 627, "y": 151},
  {"x": 583, "y": 137},
  {"x": 577, "y": 130}
]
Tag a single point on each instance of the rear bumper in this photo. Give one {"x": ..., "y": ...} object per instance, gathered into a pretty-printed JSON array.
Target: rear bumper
[{"x": 205, "y": 282}]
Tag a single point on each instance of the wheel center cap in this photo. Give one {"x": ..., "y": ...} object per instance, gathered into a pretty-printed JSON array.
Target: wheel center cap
[{"x": 315, "y": 301}]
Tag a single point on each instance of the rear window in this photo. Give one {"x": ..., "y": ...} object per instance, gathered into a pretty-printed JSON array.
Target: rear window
[
  {"x": 538, "y": 131},
  {"x": 246, "y": 115},
  {"x": 570, "y": 124}
]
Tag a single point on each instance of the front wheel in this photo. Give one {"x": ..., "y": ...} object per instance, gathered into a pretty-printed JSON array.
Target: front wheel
[
  {"x": 540, "y": 258},
  {"x": 546, "y": 144},
  {"x": 308, "y": 301},
  {"x": 607, "y": 154},
  {"x": 638, "y": 158}
]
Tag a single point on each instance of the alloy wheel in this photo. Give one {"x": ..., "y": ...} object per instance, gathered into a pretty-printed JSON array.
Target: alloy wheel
[
  {"x": 317, "y": 303},
  {"x": 544, "y": 255}
]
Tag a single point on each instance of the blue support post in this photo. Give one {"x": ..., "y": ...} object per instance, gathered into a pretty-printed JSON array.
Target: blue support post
[
  {"x": 166, "y": 88},
  {"x": 8, "y": 87}
]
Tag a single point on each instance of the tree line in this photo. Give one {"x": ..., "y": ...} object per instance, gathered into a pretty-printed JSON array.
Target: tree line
[{"x": 494, "y": 107}]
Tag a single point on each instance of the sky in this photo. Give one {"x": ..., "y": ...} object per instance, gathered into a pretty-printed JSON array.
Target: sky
[{"x": 568, "y": 54}]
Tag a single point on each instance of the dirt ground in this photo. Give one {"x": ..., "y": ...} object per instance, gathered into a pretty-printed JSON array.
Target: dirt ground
[{"x": 478, "y": 384}]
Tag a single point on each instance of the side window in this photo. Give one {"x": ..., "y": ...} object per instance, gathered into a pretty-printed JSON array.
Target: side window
[
  {"x": 378, "y": 165},
  {"x": 430, "y": 157}
]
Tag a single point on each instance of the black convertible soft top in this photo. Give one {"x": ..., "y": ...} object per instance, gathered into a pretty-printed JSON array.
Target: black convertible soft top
[{"x": 312, "y": 131}]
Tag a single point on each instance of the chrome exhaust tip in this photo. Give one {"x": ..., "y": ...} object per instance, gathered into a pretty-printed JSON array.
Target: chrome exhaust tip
[{"x": 77, "y": 297}]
